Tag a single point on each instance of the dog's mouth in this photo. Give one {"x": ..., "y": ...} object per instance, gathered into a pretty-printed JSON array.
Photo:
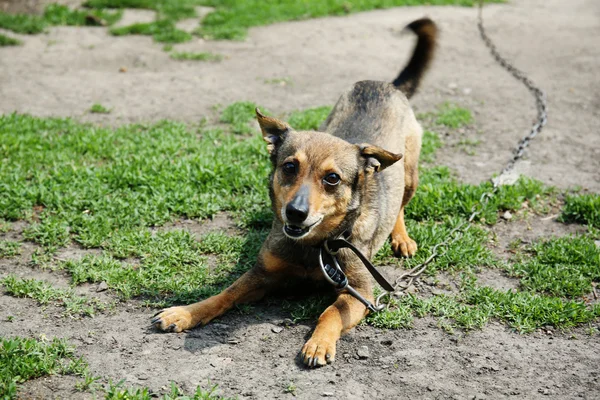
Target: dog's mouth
[{"x": 298, "y": 232}]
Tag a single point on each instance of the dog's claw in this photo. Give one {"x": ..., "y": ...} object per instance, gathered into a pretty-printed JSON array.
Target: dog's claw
[
  {"x": 155, "y": 320},
  {"x": 158, "y": 312}
]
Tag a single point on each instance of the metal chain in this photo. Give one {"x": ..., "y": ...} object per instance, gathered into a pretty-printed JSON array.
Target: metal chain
[{"x": 405, "y": 280}]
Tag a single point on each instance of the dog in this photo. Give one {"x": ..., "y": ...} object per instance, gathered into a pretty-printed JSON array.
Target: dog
[{"x": 343, "y": 180}]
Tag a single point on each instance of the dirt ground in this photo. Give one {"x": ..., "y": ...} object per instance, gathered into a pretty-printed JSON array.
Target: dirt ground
[{"x": 64, "y": 72}]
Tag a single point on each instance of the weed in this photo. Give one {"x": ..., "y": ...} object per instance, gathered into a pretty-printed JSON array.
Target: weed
[
  {"x": 583, "y": 209},
  {"x": 8, "y": 41},
  {"x": 286, "y": 81},
  {"x": 310, "y": 119},
  {"x": 196, "y": 56},
  {"x": 565, "y": 266},
  {"x": 45, "y": 294},
  {"x": 232, "y": 18},
  {"x": 239, "y": 114},
  {"x": 24, "y": 359},
  {"x": 291, "y": 388},
  {"x": 453, "y": 116},
  {"x": 9, "y": 248},
  {"x": 97, "y": 108},
  {"x": 163, "y": 31},
  {"x": 56, "y": 14},
  {"x": 118, "y": 392}
]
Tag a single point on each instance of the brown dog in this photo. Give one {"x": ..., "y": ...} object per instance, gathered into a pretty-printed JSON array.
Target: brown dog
[{"x": 346, "y": 181}]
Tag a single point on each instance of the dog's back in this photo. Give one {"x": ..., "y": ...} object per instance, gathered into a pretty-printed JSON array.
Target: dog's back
[{"x": 379, "y": 113}]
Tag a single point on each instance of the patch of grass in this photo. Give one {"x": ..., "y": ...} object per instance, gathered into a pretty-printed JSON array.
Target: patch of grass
[
  {"x": 526, "y": 311},
  {"x": 98, "y": 108},
  {"x": 468, "y": 252},
  {"x": 310, "y": 119},
  {"x": 9, "y": 248},
  {"x": 239, "y": 114},
  {"x": 286, "y": 81},
  {"x": 92, "y": 182},
  {"x": 45, "y": 294},
  {"x": 163, "y": 31},
  {"x": 232, "y": 18},
  {"x": 564, "y": 267},
  {"x": 440, "y": 194},
  {"x": 430, "y": 143},
  {"x": 168, "y": 9},
  {"x": 173, "y": 267},
  {"x": 23, "y": 359},
  {"x": 118, "y": 392},
  {"x": 452, "y": 116},
  {"x": 8, "y": 41},
  {"x": 583, "y": 209},
  {"x": 22, "y": 23},
  {"x": 56, "y": 14},
  {"x": 196, "y": 56}
]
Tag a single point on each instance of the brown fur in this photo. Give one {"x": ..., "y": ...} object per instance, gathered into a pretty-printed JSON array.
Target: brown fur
[{"x": 370, "y": 129}]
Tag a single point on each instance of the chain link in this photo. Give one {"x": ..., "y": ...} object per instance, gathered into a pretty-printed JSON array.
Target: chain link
[{"x": 405, "y": 280}]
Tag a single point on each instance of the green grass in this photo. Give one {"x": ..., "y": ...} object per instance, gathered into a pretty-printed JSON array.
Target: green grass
[
  {"x": 238, "y": 115},
  {"x": 564, "y": 267},
  {"x": 99, "y": 109},
  {"x": 187, "y": 56},
  {"x": 119, "y": 392},
  {"x": 453, "y": 116},
  {"x": 232, "y": 18},
  {"x": 169, "y": 9},
  {"x": 583, "y": 209},
  {"x": 162, "y": 31},
  {"x": 9, "y": 249},
  {"x": 105, "y": 188},
  {"x": 8, "y": 41},
  {"x": 45, "y": 294},
  {"x": 55, "y": 14},
  {"x": 23, "y": 359},
  {"x": 310, "y": 119}
]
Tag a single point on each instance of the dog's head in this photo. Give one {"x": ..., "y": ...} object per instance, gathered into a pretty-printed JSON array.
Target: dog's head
[{"x": 318, "y": 180}]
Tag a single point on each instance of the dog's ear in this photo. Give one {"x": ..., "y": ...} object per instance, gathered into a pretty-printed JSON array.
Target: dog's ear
[
  {"x": 376, "y": 158},
  {"x": 273, "y": 130}
]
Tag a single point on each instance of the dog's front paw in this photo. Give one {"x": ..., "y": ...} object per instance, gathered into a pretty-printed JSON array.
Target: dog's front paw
[
  {"x": 405, "y": 247},
  {"x": 174, "y": 319},
  {"x": 318, "y": 351}
]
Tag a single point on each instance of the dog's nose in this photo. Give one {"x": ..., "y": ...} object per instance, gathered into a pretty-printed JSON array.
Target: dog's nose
[
  {"x": 296, "y": 213},
  {"x": 297, "y": 210}
]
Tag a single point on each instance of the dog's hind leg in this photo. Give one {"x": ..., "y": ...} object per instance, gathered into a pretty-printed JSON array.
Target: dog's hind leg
[{"x": 402, "y": 244}]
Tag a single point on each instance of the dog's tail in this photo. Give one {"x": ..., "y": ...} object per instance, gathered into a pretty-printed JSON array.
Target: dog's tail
[{"x": 410, "y": 77}]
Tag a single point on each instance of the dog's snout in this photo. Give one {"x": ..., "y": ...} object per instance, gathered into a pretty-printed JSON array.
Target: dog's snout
[{"x": 297, "y": 209}]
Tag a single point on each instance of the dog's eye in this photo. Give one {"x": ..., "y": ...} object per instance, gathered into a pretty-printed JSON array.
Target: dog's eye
[
  {"x": 289, "y": 168},
  {"x": 332, "y": 179}
]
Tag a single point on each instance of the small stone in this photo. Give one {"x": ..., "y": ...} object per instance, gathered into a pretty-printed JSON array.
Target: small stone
[
  {"x": 507, "y": 215},
  {"x": 346, "y": 355},
  {"x": 363, "y": 352},
  {"x": 123, "y": 69},
  {"x": 387, "y": 342},
  {"x": 466, "y": 91},
  {"x": 327, "y": 394},
  {"x": 233, "y": 341},
  {"x": 276, "y": 329},
  {"x": 142, "y": 377},
  {"x": 287, "y": 322},
  {"x": 102, "y": 287},
  {"x": 452, "y": 85},
  {"x": 429, "y": 388}
]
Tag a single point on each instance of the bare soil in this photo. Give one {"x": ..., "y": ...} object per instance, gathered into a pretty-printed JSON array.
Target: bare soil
[{"x": 63, "y": 72}]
